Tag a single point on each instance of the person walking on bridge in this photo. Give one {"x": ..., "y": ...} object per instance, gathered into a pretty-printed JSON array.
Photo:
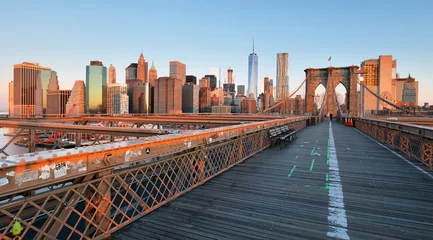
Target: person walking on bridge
[{"x": 330, "y": 117}]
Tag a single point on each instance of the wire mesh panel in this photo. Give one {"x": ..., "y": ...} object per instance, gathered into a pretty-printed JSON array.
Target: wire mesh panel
[
  {"x": 412, "y": 145},
  {"x": 107, "y": 200}
]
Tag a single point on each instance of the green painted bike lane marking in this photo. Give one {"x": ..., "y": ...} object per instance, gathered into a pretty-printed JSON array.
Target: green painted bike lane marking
[
  {"x": 312, "y": 165},
  {"x": 293, "y": 169}
]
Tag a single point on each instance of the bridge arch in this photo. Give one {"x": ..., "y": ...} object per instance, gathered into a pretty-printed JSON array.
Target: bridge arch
[{"x": 331, "y": 77}]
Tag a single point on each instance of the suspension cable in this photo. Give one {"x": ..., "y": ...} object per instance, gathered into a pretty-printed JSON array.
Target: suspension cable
[
  {"x": 286, "y": 99},
  {"x": 384, "y": 100}
]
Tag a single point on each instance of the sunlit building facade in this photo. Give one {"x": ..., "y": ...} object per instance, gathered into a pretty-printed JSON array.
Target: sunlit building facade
[
  {"x": 168, "y": 95},
  {"x": 178, "y": 71},
  {"x": 111, "y": 74},
  {"x": 142, "y": 67},
  {"x": 75, "y": 106},
  {"x": 153, "y": 75},
  {"x": 96, "y": 87},
  {"x": 57, "y": 100},
  {"x": 379, "y": 76},
  {"x": 117, "y": 99},
  {"x": 141, "y": 98},
  {"x": 29, "y": 85},
  {"x": 282, "y": 76}
]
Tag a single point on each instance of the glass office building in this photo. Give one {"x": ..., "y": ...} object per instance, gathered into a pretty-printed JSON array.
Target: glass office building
[
  {"x": 253, "y": 72},
  {"x": 96, "y": 87}
]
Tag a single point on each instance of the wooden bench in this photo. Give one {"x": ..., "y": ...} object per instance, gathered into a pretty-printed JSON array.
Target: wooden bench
[{"x": 282, "y": 134}]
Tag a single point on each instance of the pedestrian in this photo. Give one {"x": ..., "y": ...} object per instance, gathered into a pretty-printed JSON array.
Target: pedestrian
[{"x": 330, "y": 116}]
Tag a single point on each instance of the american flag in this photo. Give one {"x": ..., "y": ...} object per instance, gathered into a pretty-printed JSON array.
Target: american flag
[{"x": 329, "y": 59}]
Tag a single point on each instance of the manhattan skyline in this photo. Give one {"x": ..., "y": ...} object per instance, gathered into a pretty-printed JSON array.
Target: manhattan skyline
[{"x": 67, "y": 36}]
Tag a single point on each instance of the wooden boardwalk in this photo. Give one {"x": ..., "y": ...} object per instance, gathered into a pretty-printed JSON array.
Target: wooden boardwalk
[{"x": 324, "y": 185}]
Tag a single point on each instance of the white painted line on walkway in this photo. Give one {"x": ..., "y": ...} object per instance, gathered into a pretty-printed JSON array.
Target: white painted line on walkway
[
  {"x": 398, "y": 155},
  {"x": 336, "y": 213}
]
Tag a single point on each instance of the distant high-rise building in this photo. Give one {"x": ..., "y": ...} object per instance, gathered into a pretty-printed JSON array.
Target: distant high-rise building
[
  {"x": 228, "y": 100},
  {"x": 191, "y": 79},
  {"x": 410, "y": 91},
  {"x": 96, "y": 87},
  {"x": 248, "y": 105},
  {"x": 153, "y": 74},
  {"x": 178, "y": 71},
  {"x": 75, "y": 106},
  {"x": 131, "y": 84},
  {"x": 266, "y": 84},
  {"x": 221, "y": 109},
  {"x": 131, "y": 72},
  {"x": 379, "y": 76},
  {"x": 204, "y": 100},
  {"x": 168, "y": 95},
  {"x": 204, "y": 82},
  {"x": 282, "y": 76},
  {"x": 190, "y": 98},
  {"x": 142, "y": 69},
  {"x": 241, "y": 90},
  {"x": 272, "y": 89},
  {"x": 117, "y": 99},
  {"x": 230, "y": 76},
  {"x": 219, "y": 92},
  {"x": 406, "y": 90},
  {"x": 11, "y": 99},
  {"x": 111, "y": 74},
  {"x": 30, "y": 85},
  {"x": 57, "y": 100},
  {"x": 212, "y": 81},
  {"x": 141, "y": 98},
  {"x": 229, "y": 87},
  {"x": 253, "y": 73}
]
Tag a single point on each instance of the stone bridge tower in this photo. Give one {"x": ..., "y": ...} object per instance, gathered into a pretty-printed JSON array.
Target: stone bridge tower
[{"x": 330, "y": 77}]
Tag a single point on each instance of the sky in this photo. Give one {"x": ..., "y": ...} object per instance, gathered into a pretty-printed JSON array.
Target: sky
[{"x": 204, "y": 34}]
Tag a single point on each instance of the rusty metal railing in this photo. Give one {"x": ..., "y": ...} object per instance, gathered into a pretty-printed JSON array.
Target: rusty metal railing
[
  {"x": 121, "y": 184},
  {"x": 414, "y": 141}
]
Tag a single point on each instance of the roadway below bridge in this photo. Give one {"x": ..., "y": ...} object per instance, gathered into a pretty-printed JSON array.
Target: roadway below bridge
[{"x": 331, "y": 182}]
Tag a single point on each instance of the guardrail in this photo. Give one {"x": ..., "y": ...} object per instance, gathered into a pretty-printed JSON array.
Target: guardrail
[
  {"x": 88, "y": 193},
  {"x": 414, "y": 141}
]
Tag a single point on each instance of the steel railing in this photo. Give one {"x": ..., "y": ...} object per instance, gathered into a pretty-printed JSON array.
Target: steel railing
[
  {"x": 414, "y": 141},
  {"x": 108, "y": 197}
]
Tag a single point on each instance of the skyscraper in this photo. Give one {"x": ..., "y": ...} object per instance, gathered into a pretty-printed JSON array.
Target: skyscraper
[
  {"x": 190, "y": 98},
  {"x": 191, "y": 79},
  {"x": 76, "y": 102},
  {"x": 379, "y": 76},
  {"x": 96, "y": 87},
  {"x": 57, "y": 100},
  {"x": 30, "y": 84},
  {"x": 178, "y": 71},
  {"x": 142, "y": 69},
  {"x": 141, "y": 98},
  {"x": 11, "y": 99},
  {"x": 111, "y": 74},
  {"x": 282, "y": 76},
  {"x": 241, "y": 90},
  {"x": 131, "y": 72},
  {"x": 153, "y": 74},
  {"x": 117, "y": 99},
  {"x": 168, "y": 95},
  {"x": 253, "y": 64},
  {"x": 229, "y": 76},
  {"x": 266, "y": 85},
  {"x": 212, "y": 81}
]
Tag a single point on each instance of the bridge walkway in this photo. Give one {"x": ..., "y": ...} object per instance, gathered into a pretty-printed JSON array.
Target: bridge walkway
[{"x": 331, "y": 182}]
